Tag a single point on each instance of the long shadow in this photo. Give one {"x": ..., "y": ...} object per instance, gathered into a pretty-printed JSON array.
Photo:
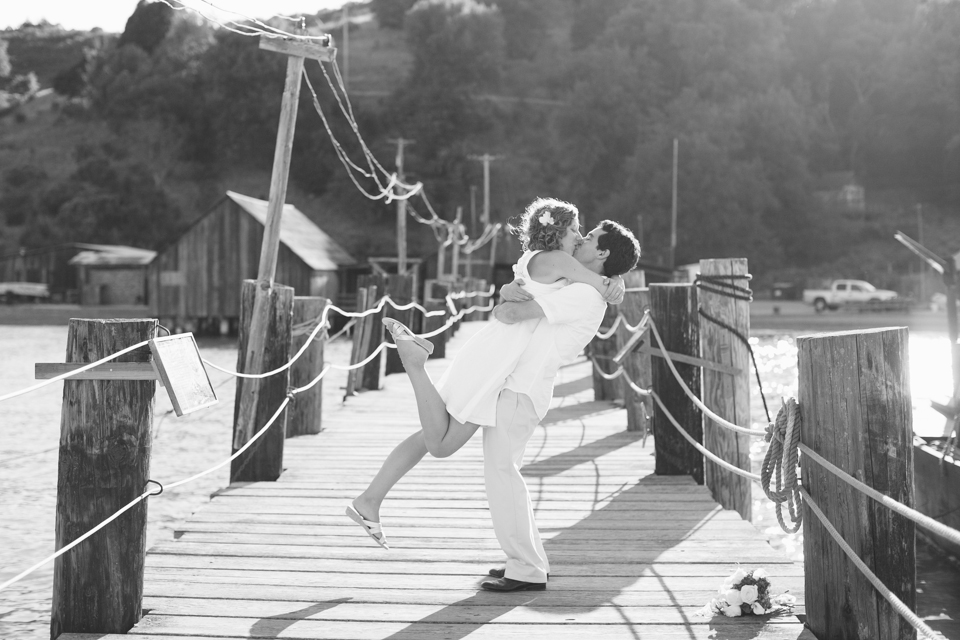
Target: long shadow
[{"x": 273, "y": 626}]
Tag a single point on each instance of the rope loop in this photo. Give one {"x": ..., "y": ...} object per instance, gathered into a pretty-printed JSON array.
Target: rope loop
[
  {"x": 780, "y": 465},
  {"x": 149, "y": 482}
]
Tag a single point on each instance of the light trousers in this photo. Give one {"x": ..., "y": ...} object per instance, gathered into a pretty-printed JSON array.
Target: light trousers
[{"x": 507, "y": 495}]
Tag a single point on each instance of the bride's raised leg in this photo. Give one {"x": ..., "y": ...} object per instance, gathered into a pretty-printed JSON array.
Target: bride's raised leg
[
  {"x": 442, "y": 434},
  {"x": 401, "y": 460}
]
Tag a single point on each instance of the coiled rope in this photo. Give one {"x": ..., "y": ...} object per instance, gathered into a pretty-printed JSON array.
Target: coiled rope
[{"x": 780, "y": 464}]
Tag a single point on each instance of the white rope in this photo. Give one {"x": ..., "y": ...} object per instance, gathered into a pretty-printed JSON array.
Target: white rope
[
  {"x": 612, "y": 330},
  {"x": 699, "y": 447},
  {"x": 924, "y": 521},
  {"x": 145, "y": 494},
  {"x": 881, "y": 588},
  {"x": 683, "y": 385},
  {"x": 64, "y": 376}
]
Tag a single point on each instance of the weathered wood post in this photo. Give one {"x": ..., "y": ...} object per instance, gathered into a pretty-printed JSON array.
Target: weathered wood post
[
  {"x": 373, "y": 334},
  {"x": 673, "y": 307},
  {"x": 636, "y": 365},
  {"x": 431, "y": 323},
  {"x": 400, "y": 289},
  {"x": 854, "y": 394},
  {"x": 253, "y": 357},
  {"x": 105, "y": 439},
  {"x": 304, "y": 416},
  {"x": 264, "y": 459},
  {"x": 356, "y": 348},
  {"x": 727, "y": 395},
  {"x": 602, "y": 350}
]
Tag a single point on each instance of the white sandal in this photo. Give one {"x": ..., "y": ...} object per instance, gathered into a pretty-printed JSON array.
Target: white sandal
[
  {"x": 400, "y": 331},
  {"x": 372, "y": 528}
]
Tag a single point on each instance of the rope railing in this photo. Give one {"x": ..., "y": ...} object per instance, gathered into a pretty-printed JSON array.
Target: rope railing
[
  {"x": 881, "y": 588},
  {"x": 286, "y": 401}
]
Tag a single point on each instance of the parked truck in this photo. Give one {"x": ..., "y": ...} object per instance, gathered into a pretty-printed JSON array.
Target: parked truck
[{"x": 842, "y": 292}]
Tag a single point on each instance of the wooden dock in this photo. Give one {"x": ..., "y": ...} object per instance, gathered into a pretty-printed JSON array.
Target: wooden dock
[{"x": 633, "y": 555}]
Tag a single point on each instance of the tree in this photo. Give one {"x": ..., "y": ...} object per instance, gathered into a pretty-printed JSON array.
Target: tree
[
  {"x": 390, "y": 13},
  {"x": 147, "y": 26}
]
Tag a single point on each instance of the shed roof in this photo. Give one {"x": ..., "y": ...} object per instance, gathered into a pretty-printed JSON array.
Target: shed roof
[
  {"x": 111, "y": 255},
  {"x": 308, "y": 241}
]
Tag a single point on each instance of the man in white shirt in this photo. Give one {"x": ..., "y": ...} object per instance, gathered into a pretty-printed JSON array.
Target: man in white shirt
[{"x": 570, "y": 318}]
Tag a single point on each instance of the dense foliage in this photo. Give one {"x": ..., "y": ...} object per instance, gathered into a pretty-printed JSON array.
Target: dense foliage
[{"x": 583, "y": 100}]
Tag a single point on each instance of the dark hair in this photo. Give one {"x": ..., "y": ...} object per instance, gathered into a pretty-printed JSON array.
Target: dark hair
[
  {"x": 534, "y": 235},
  {"x": 623, "y": 246}
]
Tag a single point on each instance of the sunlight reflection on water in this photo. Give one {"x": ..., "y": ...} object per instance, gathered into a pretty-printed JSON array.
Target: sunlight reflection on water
[{"x": 930, "y": 378}]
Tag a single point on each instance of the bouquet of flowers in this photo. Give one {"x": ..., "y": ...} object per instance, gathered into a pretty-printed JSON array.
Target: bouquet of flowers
[{"x": 745, "y": 593}]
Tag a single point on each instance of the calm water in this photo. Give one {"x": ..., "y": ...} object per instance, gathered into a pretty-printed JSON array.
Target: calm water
[{"x": 30, "y": 425}]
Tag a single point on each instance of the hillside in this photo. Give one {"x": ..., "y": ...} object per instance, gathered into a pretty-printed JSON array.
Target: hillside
[{"x": 46, "y": 50}]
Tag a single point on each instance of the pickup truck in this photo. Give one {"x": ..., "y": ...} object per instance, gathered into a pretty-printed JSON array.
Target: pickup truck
[
  {"x": 845, "y": 292},
  {"x": 26, "y": 291}
]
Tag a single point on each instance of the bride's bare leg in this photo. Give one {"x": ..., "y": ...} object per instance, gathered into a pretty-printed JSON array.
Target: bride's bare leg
[
  {"x": 401, "y": 460},
  {"x": 442, "y": 434}
]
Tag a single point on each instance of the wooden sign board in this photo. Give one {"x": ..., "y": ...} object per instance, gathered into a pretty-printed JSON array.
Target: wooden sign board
[{"x": 181, "y": 370}]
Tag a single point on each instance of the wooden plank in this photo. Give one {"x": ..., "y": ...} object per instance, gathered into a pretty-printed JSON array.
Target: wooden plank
[
  {"x": 703, "y": 363},
  {"x": 474, "y": 608},
  {"x": 727, "y": 394},
  {"x": 324, "y": 51},
  {"x": 107, "y": 371},
  {"x": 171, "y": 628}
]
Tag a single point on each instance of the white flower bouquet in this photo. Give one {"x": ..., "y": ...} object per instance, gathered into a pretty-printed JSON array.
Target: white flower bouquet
[{"x": 745, "y": 593}]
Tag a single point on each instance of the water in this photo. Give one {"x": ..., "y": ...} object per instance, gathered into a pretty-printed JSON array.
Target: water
[{"x": 30, "y": 426}]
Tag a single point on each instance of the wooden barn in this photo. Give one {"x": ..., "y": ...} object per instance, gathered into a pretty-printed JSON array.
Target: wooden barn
[{"x": 195, "y": 282}]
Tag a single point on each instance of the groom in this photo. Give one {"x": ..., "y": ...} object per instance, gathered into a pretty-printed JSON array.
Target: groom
[{"x": 570, "y": 318}]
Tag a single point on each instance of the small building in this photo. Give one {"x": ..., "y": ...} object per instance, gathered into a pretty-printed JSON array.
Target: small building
[
  {"x": 112, "y": 274},
  {"x": 197, "y": 278},
  {"x": 840, "y": 192}
]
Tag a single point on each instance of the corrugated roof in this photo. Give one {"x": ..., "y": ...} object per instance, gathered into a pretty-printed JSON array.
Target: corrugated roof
[
  {"x": 318, "y": 250},
  {"x": 112, "y": 255}
]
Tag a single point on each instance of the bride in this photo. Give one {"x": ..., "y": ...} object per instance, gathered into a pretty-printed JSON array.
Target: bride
[{"x": 465, "y": 398}]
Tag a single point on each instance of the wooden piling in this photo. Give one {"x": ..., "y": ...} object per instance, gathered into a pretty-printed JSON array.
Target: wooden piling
[
  {"x": 432, "y": 323},
  {"x": 854, "y": 394},
  {"x": 370, "y": 376},
  {"x": 400, "y": 290},
  {"x": 264, "y": 459},
  {"x": 673, "y": 307},
  {"x": 727, "y": 395},
  {"x": 602, "y": 350},
  {"x": 356, "y": 348},
  {"x": 636, "y": 365},
  {"x": 105, "y": 439},
  {"x": 304, "y": 415}
]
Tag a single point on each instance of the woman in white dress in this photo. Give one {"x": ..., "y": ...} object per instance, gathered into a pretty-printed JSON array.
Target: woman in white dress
[{"x": 465, "y": 398}]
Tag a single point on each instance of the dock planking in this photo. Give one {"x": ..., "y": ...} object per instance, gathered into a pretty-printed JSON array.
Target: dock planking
[{"x": 633, "y": 555}]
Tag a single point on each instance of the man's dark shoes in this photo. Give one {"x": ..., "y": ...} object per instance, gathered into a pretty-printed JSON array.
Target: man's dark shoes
[
  {"x": 499, "y": 573},
  {"x": 506, "y": 584}
]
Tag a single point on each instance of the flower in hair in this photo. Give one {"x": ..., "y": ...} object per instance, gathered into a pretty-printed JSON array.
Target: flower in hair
[{"x": 546, "y": 218}]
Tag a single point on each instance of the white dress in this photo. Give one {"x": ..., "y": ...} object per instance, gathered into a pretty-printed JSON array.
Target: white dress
[{"x": 472, "y": 383}]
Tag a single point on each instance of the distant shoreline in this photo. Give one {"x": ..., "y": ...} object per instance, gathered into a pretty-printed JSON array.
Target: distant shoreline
[{"x": 766, "y": 316}]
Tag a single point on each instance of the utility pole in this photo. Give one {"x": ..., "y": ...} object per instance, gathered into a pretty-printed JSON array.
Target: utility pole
[
  {"x": 401, "y": 211},
  {"x": 485, "y": 159},
  {"x": 923, "y": 266},
  {"x": 456, "y": 246},
  {"x": 295, "y": 50},
  {"x": 473, "y": 226},
  {"x": 346, "y": 46},
  {"x": 673, "y": 208}
]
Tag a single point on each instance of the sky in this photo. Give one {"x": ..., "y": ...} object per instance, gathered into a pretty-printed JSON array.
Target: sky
[{"x": 111, "y": 15}]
